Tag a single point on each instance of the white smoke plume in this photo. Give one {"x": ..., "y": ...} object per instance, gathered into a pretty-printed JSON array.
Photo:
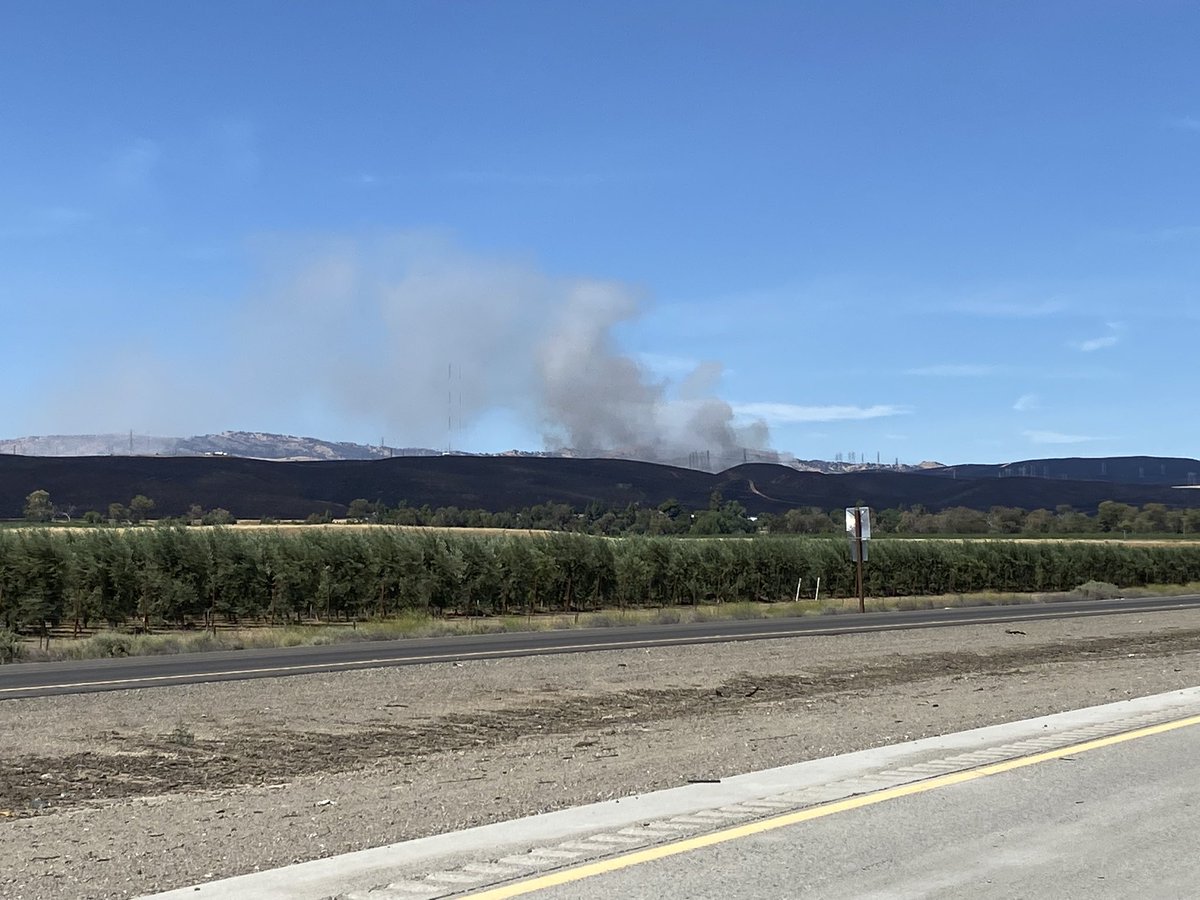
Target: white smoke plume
[{"x": 408, "y": 331}]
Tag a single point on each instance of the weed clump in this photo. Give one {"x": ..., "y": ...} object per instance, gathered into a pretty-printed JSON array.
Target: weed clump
[
  {"x": 1098, "y": 590},
  {"x": 11, "y": 648},
  {"x": 181, "y": 736}
]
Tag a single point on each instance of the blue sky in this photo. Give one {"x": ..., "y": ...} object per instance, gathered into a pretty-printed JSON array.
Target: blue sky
[{"x": 953, "y": 231}]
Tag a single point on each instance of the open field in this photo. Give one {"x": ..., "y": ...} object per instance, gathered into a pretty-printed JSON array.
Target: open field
[
  {"x": 281, "y": 527},
  {"x": 288, "y": 527},
  {"x": 112, "y": 795},
  {"x": 294, "y": 527}
]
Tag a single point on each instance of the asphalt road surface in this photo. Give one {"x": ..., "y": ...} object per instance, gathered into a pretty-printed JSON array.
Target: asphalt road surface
[
  {"x": 42, "y": 679},
  {"x": 1096, "y": 802},
  {"x": 1119, "y": 821}
]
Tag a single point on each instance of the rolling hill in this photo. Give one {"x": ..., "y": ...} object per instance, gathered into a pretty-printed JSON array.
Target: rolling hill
[
  {"x": 1143, "y": 470},
  {"x": 252, "y": 488}
]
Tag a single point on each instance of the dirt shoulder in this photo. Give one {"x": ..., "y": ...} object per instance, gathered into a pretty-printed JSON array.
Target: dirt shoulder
[{"x": 112, "y": 795}]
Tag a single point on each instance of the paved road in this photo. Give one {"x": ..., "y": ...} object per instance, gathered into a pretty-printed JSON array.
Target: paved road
[
  {"x": 1098, "y": 802},
  {"x": 40, "y": 679},
  {"x": 1114, "y": 822}
]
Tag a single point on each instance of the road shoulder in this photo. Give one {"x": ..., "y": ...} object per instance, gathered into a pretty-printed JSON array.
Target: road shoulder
[{"x": 477, "y": 858}]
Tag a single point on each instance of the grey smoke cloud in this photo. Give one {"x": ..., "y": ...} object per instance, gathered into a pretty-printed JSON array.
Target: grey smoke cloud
[
  {"x": 405, "y": 331},
  {"x": 595, "y": 398}
]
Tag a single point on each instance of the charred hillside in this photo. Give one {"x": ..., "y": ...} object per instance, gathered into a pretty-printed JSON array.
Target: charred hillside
[
  {"x": 1164, "y": 471},
  {"x": 251, "y": 488}
]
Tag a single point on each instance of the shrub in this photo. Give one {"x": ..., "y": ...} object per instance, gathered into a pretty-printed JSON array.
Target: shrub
[
  {"x": 11, "y": 648},
  {"x": 1098, "y": 590},
  {"x": 217, "y": 517},
  {"x": 106, "y": 644}
]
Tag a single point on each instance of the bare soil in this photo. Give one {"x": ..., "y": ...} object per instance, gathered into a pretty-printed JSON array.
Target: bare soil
[{"x": 118, "y": 794}]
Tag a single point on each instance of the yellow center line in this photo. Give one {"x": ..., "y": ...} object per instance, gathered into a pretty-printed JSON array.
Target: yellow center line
[
  {"x": 602, "y": 867},
  {"x": 535, "y": 651}
]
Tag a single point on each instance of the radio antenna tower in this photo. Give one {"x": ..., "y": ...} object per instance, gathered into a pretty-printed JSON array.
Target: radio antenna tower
[{"x": 453, "y": 413}]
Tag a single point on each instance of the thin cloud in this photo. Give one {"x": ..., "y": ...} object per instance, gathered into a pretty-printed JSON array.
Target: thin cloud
[
  {"x": 954, "y": 370},
  {"x": 1027, "y": 402},
  {"x": 1186, "y": 123},
  {"x": 1103, "y": 342},
  {"x": 791, "y": 413},
  {"x": 1099, "y": 343},
  {"x": 1058, "y": 437}
]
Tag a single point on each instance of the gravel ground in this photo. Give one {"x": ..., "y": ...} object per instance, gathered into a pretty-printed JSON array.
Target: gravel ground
[{"x": 113, "y": 795}]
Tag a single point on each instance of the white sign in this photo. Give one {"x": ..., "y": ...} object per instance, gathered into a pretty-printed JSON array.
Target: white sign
[{"x": 851, "y": 527}]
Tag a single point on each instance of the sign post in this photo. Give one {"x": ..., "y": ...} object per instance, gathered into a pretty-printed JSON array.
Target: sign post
[{"x": 858, "y": 530}]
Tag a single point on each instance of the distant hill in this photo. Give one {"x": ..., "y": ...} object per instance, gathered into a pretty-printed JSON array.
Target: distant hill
[
  {"x": 248, "y": 444},
  {"x": 252, "y": 488},
  {"x": 265, "y": 445},
  {"x": 256, "y": 474},
  {"x": 1144, "y": 470}
]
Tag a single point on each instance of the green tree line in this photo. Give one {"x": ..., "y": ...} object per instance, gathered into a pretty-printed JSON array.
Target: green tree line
[
  {"x": 176, "y": 575},
  {"x": 720, "y": 517}
]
